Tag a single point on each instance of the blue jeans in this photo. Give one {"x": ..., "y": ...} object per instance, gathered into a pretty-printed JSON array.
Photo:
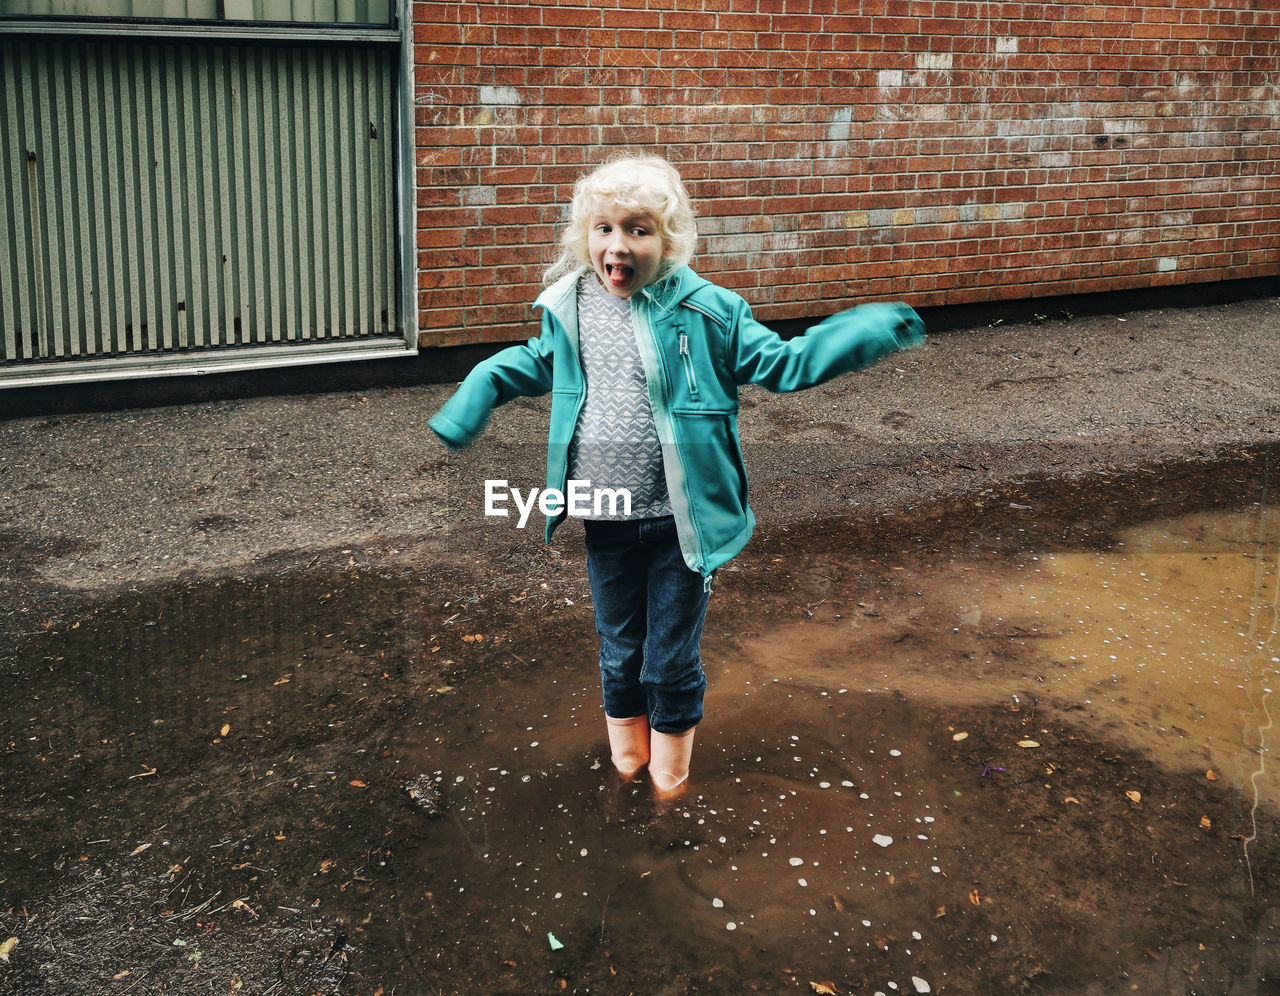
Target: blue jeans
[{"x": 649, "y": 611}]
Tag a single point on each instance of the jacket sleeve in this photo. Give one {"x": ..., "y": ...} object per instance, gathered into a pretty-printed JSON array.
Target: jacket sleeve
[
  {"x": 517, "y": 371},
  {"x": 842, "y": 343}
]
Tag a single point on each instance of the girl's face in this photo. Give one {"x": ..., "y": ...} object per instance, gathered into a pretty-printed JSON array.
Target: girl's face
[{"x": 625, "y": 248}]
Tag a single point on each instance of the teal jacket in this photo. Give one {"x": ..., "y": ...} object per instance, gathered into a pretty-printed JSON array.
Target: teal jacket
[{"x": 698, "y": 343}]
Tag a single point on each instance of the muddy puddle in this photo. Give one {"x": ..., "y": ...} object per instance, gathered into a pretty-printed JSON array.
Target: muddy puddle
[{"x": 1018, "y": 743}]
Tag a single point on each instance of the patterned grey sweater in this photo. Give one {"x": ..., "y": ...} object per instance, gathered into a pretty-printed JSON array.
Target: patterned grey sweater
[{"x": 615, "y": 444}]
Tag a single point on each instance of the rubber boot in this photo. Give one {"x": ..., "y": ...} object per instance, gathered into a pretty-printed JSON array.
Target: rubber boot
[
  {"x": 628, "y": 744},
  {"x": 670, "y": 754}
]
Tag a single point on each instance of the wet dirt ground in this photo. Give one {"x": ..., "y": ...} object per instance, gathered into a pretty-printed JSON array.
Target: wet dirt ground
[{"x": 999, "y": 722}]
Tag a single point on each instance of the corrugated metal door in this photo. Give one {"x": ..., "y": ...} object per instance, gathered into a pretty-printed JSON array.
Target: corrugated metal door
[{"x": 163, "y": 198}]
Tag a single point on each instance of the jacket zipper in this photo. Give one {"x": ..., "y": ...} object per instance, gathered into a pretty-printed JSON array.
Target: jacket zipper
[
  {"x": 647, "y": 336},
  {"x": 688, "y": 365}
]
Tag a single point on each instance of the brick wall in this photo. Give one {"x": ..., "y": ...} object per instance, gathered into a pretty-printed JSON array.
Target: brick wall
[{"x": 933, "y": 151}]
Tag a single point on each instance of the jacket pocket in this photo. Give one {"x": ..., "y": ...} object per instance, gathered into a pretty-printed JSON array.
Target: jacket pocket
[{"x": 715, "y": 476}]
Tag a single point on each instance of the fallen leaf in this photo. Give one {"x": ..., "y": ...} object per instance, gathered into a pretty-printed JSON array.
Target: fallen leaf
[
  {"x": 328, "y": 864},
  {"x": 1027, "y": 744},
  {"x": 240, "y": 904},
  {"x": 357, "y": 783},
  {"x": 1133, "y": 796},
  {"x": 1206, "y": 823},
  {"x": 974, "y": 898},
  {"x": 138, "y": 850},
  {"x": 1072, "y": 799},
  {"x": 942, "y": 911},
  {"x": 826, "y": 988},
  {"x": 960, "y": 736},
  {"x": 282, "y": 681},
  {"x": 835, "y": 901},
  {"x": 120, "y": 975},
  {"x": 1211, "y": 775},
  {"x": 226, "y": 728},
  {"x": 7, "y": 947}
]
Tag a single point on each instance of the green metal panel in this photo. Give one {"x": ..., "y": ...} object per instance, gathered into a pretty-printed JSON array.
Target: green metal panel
[
  {"x": 296, "y": 11},
  {"x": 168, "y": 197}
]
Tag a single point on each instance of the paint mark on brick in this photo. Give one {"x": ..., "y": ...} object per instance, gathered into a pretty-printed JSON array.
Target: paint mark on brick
[
  {"x": 1006, "y": 46},
  {"x": 1167, "y": 264},
  {"x": 480, "y": 195},
  {"x": 499, "y": 96},
  {"x": 841, "y": 127},
  {"x": 934, "y": 60},
  {"x": 889, "y": 79}
]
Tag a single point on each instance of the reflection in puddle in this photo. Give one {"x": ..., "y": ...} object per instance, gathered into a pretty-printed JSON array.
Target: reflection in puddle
[
  {"x": 1171, "y": 638},
  {"x": 1167, "y": 641}
]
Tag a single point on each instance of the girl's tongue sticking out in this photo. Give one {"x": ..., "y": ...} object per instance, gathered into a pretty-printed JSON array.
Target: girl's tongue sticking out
[{"x": 619, "y": 276}]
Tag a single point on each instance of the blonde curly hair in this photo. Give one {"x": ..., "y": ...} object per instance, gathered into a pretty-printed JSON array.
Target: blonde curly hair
[{"x": 634, "y": 183}]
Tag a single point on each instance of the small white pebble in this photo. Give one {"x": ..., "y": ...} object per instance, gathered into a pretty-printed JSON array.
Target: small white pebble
[
  {"x": 797, "y": 862},
  {"x": 882, "y": 839},
  {"x": 718, "y": 903},
  {"x": 920, "y": 984}
]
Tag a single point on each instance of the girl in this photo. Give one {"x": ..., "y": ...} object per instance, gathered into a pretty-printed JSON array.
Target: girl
[{"x": 644, "y": 358}]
